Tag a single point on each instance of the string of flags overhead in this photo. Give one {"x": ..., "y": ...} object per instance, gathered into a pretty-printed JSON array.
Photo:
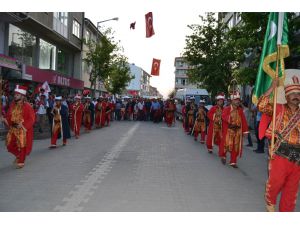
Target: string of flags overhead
[{"x": 149, "y": 33}]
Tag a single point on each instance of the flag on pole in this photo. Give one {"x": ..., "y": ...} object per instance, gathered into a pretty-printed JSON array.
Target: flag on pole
[
  {"x": 276, "y": 34},
  {"x": 155, "y": 67},
  {"x": 149, "y": 25}
]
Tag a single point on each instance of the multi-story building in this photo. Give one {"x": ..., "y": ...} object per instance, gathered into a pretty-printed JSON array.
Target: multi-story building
[
  {"x": 42, "y": 46},
  {"x": 230, "y": 18},
  {"x": 140, "y": 85},
  {"x": 181, "y": 77},
  {"x": 90, "y": 33}
]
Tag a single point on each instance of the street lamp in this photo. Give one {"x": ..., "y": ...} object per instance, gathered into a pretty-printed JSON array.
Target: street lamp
[{"x": 115, "y": 18}]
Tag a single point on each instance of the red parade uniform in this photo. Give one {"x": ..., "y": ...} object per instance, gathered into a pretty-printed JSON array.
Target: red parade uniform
[
  {"x": 77, "y": 110},
  {"x": 19, "y": 140},
  {"x": 183, "y": 113},
  {"x": 108, "y": 113},
  {"x": 170, "y": 111},
  {"x": 234, "y": 124},
  {"x": 103, "y": 113},
  {"x": 87, "y": 116},
  {"x": 98, "y": 114},
  {"x": 214, "y": 134},
  {"x": 284, "y": 171},
  {"x": 190, "y": 117},
  {"x": 200, "y": 126}
]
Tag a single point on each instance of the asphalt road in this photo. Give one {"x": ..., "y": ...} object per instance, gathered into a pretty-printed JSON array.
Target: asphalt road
[{"x": 132, "y": 166}]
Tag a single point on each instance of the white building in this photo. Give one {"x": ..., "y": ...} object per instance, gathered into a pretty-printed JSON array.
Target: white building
[
  {"x": 181, "y": 77},
  {"x": 140, "y": 85}
]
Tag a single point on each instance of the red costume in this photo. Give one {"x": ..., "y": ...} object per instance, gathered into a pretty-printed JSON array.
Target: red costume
[
  {"x": 103, "y": 113},
  {"x": 214, "y": 134},
  {"x": 170, "y": 111},
  {"x": 109, "y": 107},
  {"x": 284, "y": 164},
  {"x": 77, "y": 110},
  {"x": 200, "y": 126},
  {"x": 183, "y": 113},
  {"x": 98, "y": 114},
  {"x": 233, "y": 126},
  {"x": 19, "y": 139},
  {"x": 87, "y": 115}
]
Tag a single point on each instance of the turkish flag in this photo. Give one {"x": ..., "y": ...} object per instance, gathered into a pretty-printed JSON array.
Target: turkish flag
[
  {"x": 155, "y": 67},
  {"x": 149, "y": 25}
]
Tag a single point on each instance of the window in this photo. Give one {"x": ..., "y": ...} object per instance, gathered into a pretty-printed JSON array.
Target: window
[
  {"x": 62, "y": 61},
  {"x": 87, "y": 36},
  {"x": 60, "y": 23},
  {"x": 238, "y": 17},
  {"x": 47, "y": 55},
  {"x": 230, "y": 23},
  {"x": 21, "y": 45},
  {"x": 76, "y": 28},
  {"x": 183, "y": 81}
]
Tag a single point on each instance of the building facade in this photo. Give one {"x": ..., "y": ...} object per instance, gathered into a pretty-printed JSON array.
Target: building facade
[
  {"x": 181, "y": 77},
  {"x": 42, "y": 46},
  {"x": 140, "y": 85},
  {"x": 90, "y": 33}
]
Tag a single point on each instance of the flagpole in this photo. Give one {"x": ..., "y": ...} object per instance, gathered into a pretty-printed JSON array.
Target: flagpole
[{"x": 275, "y": 101}]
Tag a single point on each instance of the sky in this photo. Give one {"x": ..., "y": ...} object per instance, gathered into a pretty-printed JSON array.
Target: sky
[{"x": 170, "y": 20}]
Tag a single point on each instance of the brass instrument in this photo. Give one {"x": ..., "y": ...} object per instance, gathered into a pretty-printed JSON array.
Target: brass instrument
[{"x": 233, "y": 87}]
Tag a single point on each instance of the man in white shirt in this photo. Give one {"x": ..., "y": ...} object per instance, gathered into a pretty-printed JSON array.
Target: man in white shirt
[
  {"x": 41, "y": 106},
  {"x": 140, "y": 106}
]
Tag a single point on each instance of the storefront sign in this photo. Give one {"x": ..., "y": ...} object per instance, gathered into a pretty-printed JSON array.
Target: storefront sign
[
  {"x": 8, "y": 62},
  {"x": 53, "y": 78}
]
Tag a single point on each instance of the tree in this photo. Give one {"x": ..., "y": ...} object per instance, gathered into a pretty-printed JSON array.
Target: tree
[
  {"x": 100, "y": 56},
  {"x": 209, "y": 55},
  {"x": 119, "y": 76},
  {"x": 218, "y": 54}
]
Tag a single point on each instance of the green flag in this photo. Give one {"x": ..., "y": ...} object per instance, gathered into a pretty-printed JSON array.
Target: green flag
[{"x": 276, "y": 34}]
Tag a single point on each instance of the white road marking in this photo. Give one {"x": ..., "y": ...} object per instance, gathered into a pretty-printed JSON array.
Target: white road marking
[
  {"x": 83, "y": 192},
  {"x": 172, "y": 128}
]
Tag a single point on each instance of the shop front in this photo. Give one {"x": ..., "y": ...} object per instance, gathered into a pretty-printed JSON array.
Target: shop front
[{"x": 59, "y": 84}]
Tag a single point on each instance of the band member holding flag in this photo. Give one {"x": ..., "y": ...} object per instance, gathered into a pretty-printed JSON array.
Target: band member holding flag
[
  {"x": 284, "y": 165},
  {"x": 279, "y": 101},
  {"x": 214, "y": 115}
]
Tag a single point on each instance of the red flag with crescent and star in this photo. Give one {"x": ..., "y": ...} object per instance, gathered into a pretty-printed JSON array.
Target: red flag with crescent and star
[
  {"x": 155, "y": 67},
  {"x": 149, "y": 25}
]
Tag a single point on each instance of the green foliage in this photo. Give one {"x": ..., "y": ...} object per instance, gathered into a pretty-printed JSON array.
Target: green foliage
[
  {"x": 119, "y": 76},
  {"x": 107, "y": 63},
  {"x": 211, "y": 60},
  {"x": 218, "y": 54}
]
